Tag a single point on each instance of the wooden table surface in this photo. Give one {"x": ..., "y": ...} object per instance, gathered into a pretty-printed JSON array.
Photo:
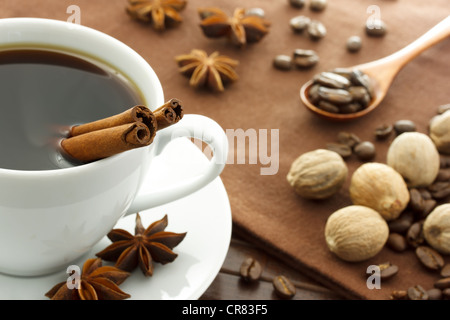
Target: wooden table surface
[{"x": 228, "y": 284}]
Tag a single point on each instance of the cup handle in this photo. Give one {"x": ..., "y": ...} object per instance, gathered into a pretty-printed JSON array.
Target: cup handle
[{"x": 191, "y": 126}]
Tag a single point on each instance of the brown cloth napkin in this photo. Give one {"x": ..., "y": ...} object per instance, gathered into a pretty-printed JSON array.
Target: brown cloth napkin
[{"x": 265, "y": 208}]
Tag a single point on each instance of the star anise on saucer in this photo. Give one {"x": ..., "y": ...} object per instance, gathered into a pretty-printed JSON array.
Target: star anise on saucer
[
  {"x": 239, "y": 28},
  {"x": 145, "y": 247},
  {"x": 160, "y": 13},
  {"x": 96, "y": 282},
  {"x": 212, "y": 71}
]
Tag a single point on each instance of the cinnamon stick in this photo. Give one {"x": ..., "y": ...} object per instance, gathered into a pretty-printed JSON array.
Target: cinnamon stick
[
  {"x": 135, "y": 114},
  {"x": 169, "y": 113},
  {"x": 104, "y": 143}
]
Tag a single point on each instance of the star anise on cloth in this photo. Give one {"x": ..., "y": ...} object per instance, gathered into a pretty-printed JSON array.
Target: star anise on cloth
[
  {"x": 145, "y": 247},
  {"x": 96, "y": 282},
  {"x": 160, "y": 13},
  {"x": 212, "y": 71},
  {"x": 239, "y": 28}
]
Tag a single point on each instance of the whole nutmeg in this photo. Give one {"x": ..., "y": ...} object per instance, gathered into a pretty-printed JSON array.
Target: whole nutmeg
[
  {"x": 318, "y": 174},
  {"x": 415, "y": 157},
  {"x": 436, "y": 228},
  {"x": 378, "y": 186},
  {"x": 440, "y": 132},
  {"x": 356, "y": 233}
]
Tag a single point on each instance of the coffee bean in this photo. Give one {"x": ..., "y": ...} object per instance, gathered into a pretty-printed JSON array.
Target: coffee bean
[
  {"x": 283, "y": 62},
  {"x": 376, "y": 28},
  {"x": 430, "y": 258},
  {"x": 414, "y": 236},
  {"x": 384, "y": 131},
  {"x": 402, "y": 126},
  {"x": 387, "y": 270},
  {"x": 342, "y": 149},
  {"x": 256, "y": 12},
  {"x": 327, "y": 106},
  {"x": 426, "y": 195},
  {"x": 305, "y": 58},
  {"x": 440, "y": 190},
  {"x": 299, "y": 23},
  {"x": 348, "y": 138},
  {"x": 316, "y": 30},
  {"x": 347, "y": 73},
  {"x": 445, "y": 271},
  {"x": 443, "y": 175},
  {"x": 444, "y": 161},
  {"x": 335, "y": 96},
  {"x": 443, "y": 283},
  {"x": 354, "y": 44},
  {"x": 365, "y": 151},
  {"x": 313, "y": 93},
  {"x": 434, "y": 294},
  {"x": 332, "y": 80},
  {"x": 428, "y": 206},
  {"x": 443, "y": 108},
  {"x": 318, "y": 5},
  {"x": 397, "y": 242},
  {"x": 250, "y": 270},
  {"x": 359, "y": 78},
  {"x": 415, "y": 200},
  {"x": 358, "y": 93},
  {"x": 283, "y": 287},
  {"x": 399, "y": 295},
  {"x": 350, "y": 108},
  {"x": 417, "y": 293},
  {"x": 297, "y": 3},
  {"x": 403, "y": 223}
]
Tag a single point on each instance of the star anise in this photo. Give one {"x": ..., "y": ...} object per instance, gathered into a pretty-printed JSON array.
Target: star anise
[
  {"x": 145, "y": 247},
  {"x": 160, "y": 13},
  {"x": 212, "y": 71},
  {"x": 240, "y": 28},
  {"x": 96, "y": 282}
]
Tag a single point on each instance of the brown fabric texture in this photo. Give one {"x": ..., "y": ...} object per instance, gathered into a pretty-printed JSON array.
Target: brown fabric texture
[{"x": 265, "y": 208}]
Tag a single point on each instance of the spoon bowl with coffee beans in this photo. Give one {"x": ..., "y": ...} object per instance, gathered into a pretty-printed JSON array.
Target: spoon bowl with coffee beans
[{"x": 344, "y": 94}]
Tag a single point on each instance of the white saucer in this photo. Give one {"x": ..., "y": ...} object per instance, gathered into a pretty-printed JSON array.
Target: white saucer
[{"x": 204, "y": 215}]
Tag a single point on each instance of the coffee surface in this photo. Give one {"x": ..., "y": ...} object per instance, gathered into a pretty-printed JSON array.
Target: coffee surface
[{"x": 43, "y": 93}]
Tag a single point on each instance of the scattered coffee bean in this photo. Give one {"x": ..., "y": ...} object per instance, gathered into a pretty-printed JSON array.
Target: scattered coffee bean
[
  {"x": 399, "y": 295},
  {"x": 440, "y": 189},
  {"x": 430, "y": 258},
  {"x": 305, "y": 58},
  {"x": 387, "y": 270},
  {"x": 445, "y": 271},
  {"x": 414, "y": 236},
  {"x": 443, "y": 283},
  {"x": 403, "y": 223},
  {"x": 348, "y": 138},
  {"x": 250, "y": 270},
  {"x": 416, "y": 201},
  {"x": 354, "y": 44},
  {"x": 402, "y": 126},
  {"x": 335, "y": 96},
  {"x": 376, "y": 27},
  {"x": 316, "y": 30},
  {"x": 384, "y": 131},
  {"x": 257, "y": 12},
  {"x": 443, "y": 108},
  {"x": 318, "y": 5},
  {"x": 443, "y": 175},
  {"x": 342, "y": 149},
  {"x": 397, "y": 242},
  {"x": 283, "y": 287},
  {"x": 283, "y": 62},
  {"x": 417, "y": 293},
  {"x": 428, "y": 206},
  {"x": 299, "y": 23},
  {"x": 297, "y": 3},
  {"x": 434, "y": 294},
  {"x": 365, "y": 151}
]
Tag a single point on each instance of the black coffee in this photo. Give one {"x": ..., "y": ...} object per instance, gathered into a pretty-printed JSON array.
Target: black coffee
[{"x": 43, "y": 92}]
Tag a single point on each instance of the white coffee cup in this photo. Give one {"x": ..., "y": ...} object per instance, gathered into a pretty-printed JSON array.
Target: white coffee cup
[{"x": 50, "y": 218}]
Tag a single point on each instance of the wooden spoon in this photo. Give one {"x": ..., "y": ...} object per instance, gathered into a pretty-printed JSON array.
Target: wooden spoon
[{"x": 383, "y": 71}]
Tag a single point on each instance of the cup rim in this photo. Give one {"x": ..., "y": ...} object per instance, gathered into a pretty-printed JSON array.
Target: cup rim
[{"x": 94, "y": 33}]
